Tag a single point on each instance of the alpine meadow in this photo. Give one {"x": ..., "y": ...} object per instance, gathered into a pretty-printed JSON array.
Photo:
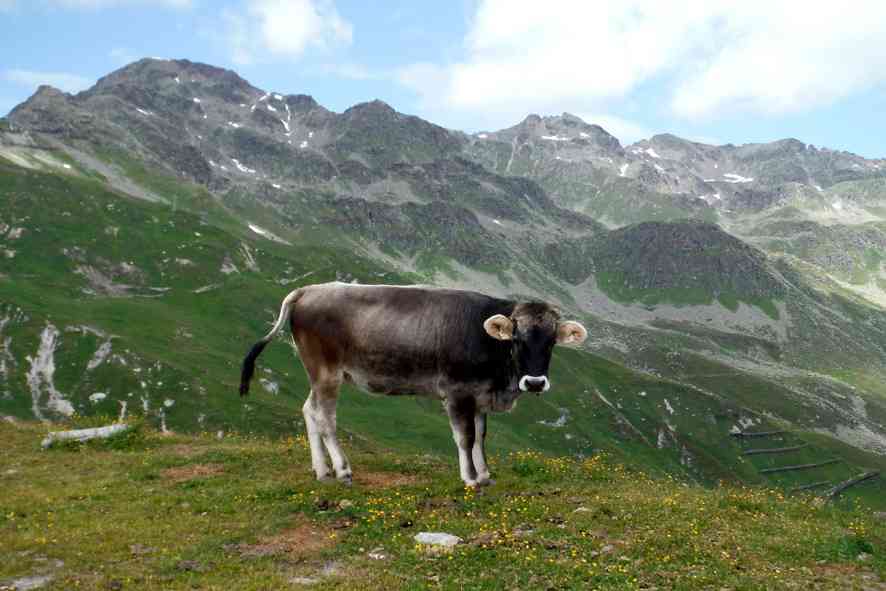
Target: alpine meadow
[{"x": 722, "y": 427}]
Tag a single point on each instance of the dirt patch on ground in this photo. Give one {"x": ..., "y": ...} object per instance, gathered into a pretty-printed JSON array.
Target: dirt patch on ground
[
  {"x": 847, "y": 575},
  {"x": 184, "y": 450},
  {"x": 190, "y": 472},
  {"x": 303, "y": 539},
  {"x": 384, "y": 479}
]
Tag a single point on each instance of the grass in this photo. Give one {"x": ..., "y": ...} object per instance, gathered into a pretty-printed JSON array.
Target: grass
[
  {"x": 614, "y": 285},
  {"x": 183, "y": 512}
]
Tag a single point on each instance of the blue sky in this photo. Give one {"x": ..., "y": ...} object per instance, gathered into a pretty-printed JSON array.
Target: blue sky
[{"x": 721, "y": 72}]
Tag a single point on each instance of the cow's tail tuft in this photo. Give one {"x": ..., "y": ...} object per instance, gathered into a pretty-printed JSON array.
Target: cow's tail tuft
[{"x": 249, "y": 361}]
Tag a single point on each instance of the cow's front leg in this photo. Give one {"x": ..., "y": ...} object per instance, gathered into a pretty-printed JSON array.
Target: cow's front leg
[
  {"x": 461, "y": 419},
  {"x": 478, "y": 451}
]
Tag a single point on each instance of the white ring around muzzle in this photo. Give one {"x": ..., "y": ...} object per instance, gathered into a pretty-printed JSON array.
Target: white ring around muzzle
[{"x": 522, "y": 384}]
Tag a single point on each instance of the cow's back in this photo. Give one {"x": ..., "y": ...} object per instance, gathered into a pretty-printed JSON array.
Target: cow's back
[{"x": 400, "y": 338}]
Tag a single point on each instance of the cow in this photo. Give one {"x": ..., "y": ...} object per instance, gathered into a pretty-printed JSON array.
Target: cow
[{"x": 477, "y": 353}]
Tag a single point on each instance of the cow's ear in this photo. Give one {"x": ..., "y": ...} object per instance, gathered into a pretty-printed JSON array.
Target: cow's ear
[
  {"x": 499, "y": 327},
  {"x": 571, "y": 333}
]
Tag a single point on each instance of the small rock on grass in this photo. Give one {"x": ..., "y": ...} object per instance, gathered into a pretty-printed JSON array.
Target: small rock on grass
[
  {"x": 437, "y": 539},
  {"x": 378, "y": 554},
  {"x": 26, "y": 583},
  {"x": 190, "y": 565},
  {"x": 139, "y": 549}
]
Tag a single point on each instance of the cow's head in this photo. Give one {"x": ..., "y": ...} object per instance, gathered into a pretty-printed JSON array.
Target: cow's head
[{"x": 534, "y": 328}]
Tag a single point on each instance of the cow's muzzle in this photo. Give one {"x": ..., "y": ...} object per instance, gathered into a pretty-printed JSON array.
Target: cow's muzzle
[{"x": 534, "y": 384}]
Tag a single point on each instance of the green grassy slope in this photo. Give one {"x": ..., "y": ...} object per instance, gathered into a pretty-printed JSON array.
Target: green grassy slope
[
  {"x": 145, "y": 283},
  {"x": 184, "y": 512}
]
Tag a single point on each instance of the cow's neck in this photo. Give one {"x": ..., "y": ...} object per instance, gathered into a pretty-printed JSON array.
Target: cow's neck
[{"x": 509, "y": 378}]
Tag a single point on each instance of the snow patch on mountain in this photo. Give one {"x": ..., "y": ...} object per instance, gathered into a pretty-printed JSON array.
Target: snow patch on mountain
[
  {"x": 559, "y": 421},
  {"x": 270, "y": 386},
  {"x": 731, "y": 177},
  {"x": 101, "y": 354},
  {"x": 40, "y": 377},
  {"x": 228, "y": 267},
  {"x": 241, "y": 167},
  {"x": 266, "y": 233}
]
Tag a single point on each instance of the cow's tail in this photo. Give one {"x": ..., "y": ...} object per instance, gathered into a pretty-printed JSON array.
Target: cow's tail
[{"x": 249, "y": 362}]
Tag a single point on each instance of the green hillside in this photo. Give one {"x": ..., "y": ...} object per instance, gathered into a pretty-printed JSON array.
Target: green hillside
[{"x": 122, "y": 307}]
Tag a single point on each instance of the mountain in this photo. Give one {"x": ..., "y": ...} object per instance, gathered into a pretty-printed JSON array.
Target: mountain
[{"x": 152, "y": 223}]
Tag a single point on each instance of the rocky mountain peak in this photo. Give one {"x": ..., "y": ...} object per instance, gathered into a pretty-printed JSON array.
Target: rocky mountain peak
[
  {"x": 302, "y": 102},
  {"x": 373, "y": 108},
  {"x": 47, "y": 92}
]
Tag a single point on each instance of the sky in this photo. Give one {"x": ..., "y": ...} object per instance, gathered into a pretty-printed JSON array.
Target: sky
[{"x": 715, "y": 71}]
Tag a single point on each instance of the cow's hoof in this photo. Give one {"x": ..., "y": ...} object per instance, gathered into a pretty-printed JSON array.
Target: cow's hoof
[
  {"x": 472, "y": 484},
  {"x": 326, "y": 477},
  {"x": 485, "y": 481},
  {"x": 346, "y": 479}
]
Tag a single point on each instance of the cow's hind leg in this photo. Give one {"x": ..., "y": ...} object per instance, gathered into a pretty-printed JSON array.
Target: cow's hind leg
[
  {"x": 315, "y": 437},
  {"x": 461, "y": 419},
  {"x": 325, "y": 399},
  {"x": 478, "y": 452}
]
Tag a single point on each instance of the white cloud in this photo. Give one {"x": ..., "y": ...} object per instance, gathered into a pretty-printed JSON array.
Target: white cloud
[
  {"x": 588, "y": 51},
  {"x": 352, "y": 71},
  {"x": 61, "y": 80},
  {"x": 699, "y": 58},
  {"x": 625, "y": 130},
  {"x": 780, "y": 57},
  {"x": 284, "y": 28}
]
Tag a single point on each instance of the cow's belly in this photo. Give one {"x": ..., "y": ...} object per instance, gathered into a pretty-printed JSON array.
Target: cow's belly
[{"x": 390, "y": 385}]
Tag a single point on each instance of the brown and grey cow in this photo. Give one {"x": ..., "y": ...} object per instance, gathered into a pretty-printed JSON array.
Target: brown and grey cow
[{"x": 476, "y": 353}]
